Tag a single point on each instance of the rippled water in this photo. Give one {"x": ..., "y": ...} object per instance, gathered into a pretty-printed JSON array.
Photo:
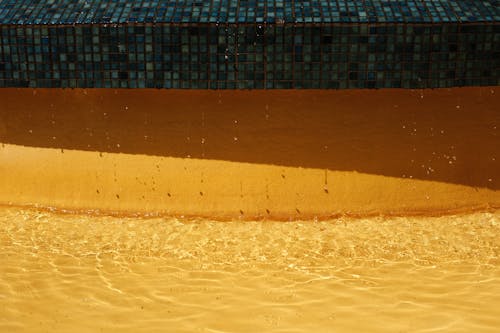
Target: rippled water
[{"x": 62, "y": 273}]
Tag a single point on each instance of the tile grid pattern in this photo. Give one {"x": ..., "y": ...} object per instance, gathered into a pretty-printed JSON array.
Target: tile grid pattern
[
  {"x": 246, "y": 11},
  {"x": 139, "y": 51}
]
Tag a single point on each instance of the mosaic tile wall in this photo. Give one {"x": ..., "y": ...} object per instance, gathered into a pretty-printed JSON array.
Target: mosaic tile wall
[{"x": 258, "y": 44}]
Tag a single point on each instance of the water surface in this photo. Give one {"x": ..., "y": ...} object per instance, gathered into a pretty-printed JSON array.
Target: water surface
[{"x": 81, "y": 273}]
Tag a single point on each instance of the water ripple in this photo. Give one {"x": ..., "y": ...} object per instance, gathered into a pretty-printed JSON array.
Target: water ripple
[{"x": 88, "y": 274}]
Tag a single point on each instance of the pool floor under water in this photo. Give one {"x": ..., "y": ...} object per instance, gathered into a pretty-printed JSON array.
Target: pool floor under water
[{"x": 82, "y": 273}]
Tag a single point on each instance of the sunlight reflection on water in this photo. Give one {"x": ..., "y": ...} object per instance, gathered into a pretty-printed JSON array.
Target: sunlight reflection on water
[{"x": 87, "y": 273}]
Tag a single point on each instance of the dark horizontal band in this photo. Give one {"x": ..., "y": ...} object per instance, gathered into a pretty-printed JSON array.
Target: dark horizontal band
[
  {"x": 219, "y": 45},
  {"x": 246, "y": 11}
]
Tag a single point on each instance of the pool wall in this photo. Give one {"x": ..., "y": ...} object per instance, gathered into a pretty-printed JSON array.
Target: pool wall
[
  {"x": 280, "y": 118},
  {"x": 251, "y": 154},
  {"x": 250, "y": 44}
]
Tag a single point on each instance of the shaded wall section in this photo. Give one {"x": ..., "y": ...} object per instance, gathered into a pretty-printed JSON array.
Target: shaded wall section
[{"x": 448, "y": 135}]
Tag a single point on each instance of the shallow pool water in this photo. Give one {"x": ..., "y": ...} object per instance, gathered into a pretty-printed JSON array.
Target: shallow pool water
[{"x": 80, "y": 273}]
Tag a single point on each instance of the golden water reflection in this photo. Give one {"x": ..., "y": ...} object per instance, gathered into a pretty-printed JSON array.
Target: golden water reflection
[{"x": 62, "y": 273}]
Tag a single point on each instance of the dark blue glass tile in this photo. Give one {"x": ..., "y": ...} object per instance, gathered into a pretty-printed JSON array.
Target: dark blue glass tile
[
  {"x": 298, "y": 44},
  {"x": 245, "y": 11}
]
